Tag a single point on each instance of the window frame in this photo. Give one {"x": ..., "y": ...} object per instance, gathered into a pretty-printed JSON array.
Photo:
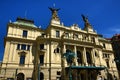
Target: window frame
[
  {"x": 28, "y": 47},
  {"x": 41, "y": 59},
  {"x": 23, "y": 46},
  {"x": 25, "y": 33},
  {"x": 22, "y": 59},
  {"x": 18, "y": 46},
  {"x": 42, "y": 46},
  {"x": 57, "y": 33}
]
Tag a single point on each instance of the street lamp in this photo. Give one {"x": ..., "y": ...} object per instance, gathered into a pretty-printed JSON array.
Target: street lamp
[{"x": 69, "y": 58}]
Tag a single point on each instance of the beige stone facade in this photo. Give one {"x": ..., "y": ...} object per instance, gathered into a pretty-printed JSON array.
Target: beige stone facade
[{"x": 29, "y": 50}]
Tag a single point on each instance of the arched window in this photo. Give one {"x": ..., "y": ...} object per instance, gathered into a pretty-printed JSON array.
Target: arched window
[
  {"x": 20, "y": 76},
  {"x": 93, "y": 39},
  {"x": 41, "y": 76},
  {"x": 107, "y": 63},
  {"x": 67, "y": 35},
  {"x": 89, "y": 60},
  {"x": 79, "y": 57},
  {"x": 57, "y": 50},
  {"x": 96, "y": 54}
]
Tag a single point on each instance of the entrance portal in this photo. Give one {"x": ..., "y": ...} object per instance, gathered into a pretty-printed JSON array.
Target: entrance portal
[
  {"x": 20, "y": 76},
  {"x": 41, "y": 76}
]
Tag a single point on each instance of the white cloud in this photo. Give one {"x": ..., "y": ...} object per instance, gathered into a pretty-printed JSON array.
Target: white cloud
[
  {"x": 108, "y": 35},
  {"x": 116, "y": 30},
  {"x": 112, "y": 31}
]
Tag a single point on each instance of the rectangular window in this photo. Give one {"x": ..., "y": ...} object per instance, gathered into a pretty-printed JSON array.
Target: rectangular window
[
  {"x": 25, "y": 33},
  {"x": 18, "y": 46},
  {"x": 41, "y": 58},
  {"x": 41, "y": 46},
  {"x": 103, "y": 45},
  {"x": 67, "y": 35},
  {"x": 28, "y": 47},
  {"x": 23, "y": 47},
  {"x": 107, "y": 62},
  {"x": 22, "y": 59},
  {"x": 106, "y": 55},
  {"x": 57, "y": 33},
  {"x": 57, "y": 50}
]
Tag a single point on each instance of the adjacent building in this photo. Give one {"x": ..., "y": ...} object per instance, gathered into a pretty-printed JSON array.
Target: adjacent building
[
  {"x": 116, "y": 47},
  {"x": 32, "y": 53}
]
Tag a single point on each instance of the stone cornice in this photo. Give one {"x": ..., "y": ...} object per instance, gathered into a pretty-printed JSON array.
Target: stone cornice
[{"x": 18, "y": 39}]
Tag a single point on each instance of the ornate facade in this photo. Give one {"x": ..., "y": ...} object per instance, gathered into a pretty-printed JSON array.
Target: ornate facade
[{"x": 33, "y": 53}]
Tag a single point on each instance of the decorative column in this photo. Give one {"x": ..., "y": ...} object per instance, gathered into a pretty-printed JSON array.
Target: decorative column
[
  {"x": 93, "y": 56},
  {"x": 75, "y": 50},
  {"x": 84, "y": 56}
]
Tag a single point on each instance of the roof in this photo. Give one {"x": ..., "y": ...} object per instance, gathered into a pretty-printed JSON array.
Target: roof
[
  {"x": 24, "y": 22},
  {"x": 103, "y": 39}
]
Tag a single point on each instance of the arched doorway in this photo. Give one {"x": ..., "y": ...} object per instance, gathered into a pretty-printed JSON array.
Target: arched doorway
[
  {"x": 20, "y": 76},
  {"x": 41, "y": 76},
  {"x": 109, "y": 76}
]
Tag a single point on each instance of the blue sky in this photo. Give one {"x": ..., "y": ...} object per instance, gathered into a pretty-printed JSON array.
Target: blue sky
[{"x": 104, "y": 15}]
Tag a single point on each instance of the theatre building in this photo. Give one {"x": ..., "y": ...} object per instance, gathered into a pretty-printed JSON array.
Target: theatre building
[{"x": 32, "y": 53}]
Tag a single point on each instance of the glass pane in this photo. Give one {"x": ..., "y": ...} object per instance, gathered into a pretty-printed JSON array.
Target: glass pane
[
  {"x": 24, "y": 33},
  {"x": 23, "y": 47},
  {"x": 18, "y": 46},
  {"x": 41, "y": 46},
  {"x": 41, "y": 59},
  {"x": 22, "y": 59},
  {"x": 28, "y": 47},
  {"x": 57, "y": 34}
]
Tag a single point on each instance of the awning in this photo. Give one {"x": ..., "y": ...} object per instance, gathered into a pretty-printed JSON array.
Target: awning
[{"x": 88, "y": 67}]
